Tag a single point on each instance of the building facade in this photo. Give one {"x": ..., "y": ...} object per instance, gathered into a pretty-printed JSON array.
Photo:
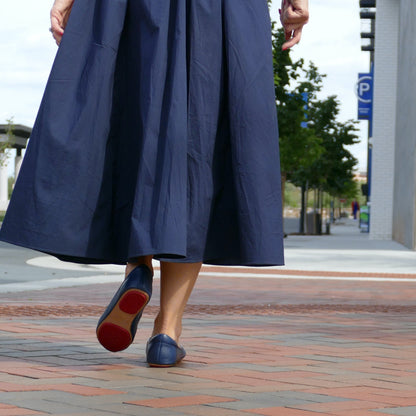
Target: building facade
[{"x": 393, "y": 194}]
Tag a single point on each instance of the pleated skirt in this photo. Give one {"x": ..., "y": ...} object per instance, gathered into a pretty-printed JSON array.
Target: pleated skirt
[{"x": 156, "y": 135}]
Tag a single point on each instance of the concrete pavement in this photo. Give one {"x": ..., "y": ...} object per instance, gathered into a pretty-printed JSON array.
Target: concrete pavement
[
  {"x": 347, "y": 249},
  {"x": 331, "y": 333}
]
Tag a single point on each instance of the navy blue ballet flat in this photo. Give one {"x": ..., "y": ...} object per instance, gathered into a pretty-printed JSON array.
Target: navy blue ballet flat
[
  {"x": 118, "y": 324},
  {"x": 163, "y": 351}
]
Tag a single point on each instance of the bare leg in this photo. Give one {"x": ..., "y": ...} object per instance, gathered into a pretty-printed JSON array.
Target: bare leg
[
  {"x": 147, "y": 260},
  {"x": 176, "y": 283}
]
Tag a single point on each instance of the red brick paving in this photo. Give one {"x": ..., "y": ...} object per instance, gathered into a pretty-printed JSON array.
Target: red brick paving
[
  {"x": 262, "y": 347},
  {"x": 357, "y": 412},
  {"x": 180, "y": 401},
  {"x": 283, "y": 411},
  {"x": 209, "y": 411},
  {"x": 288, "y": 272},
  {"x": 338, "y": 406},
  {"x": 8, "y": 410}
]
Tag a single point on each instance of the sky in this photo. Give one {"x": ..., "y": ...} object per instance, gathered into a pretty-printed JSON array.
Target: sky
[{"x": 331, "y": 40}]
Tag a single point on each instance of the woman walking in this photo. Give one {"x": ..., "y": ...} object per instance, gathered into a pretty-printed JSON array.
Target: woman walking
[{"x": 156, "y": 139}]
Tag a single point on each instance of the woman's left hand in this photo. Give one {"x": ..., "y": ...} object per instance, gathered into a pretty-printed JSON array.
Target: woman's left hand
[{"x": 294, "y": 14}]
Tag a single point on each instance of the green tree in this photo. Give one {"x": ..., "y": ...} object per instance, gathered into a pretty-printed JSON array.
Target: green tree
[
  {"x": 333, "y": 171},
  {"x": 299, "y": 146},
  {"x": 312, "y": 142},
  {"x": 6, "y": 144}
]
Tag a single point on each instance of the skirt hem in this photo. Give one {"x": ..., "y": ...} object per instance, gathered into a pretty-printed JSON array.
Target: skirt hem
[{"x": 167, "y": 257}]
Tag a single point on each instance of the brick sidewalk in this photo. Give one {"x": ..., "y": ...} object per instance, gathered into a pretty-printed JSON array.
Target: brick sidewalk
[{"x": 260, "y": 346}]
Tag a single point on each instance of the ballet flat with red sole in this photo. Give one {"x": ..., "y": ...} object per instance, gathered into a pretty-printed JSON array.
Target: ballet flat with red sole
[{"x": 118, "y": 324}]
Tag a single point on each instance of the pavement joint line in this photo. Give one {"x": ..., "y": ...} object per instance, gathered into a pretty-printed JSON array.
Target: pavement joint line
[
  {"x": 58, "y": 283},
  {"x": 314, "y": 277},
  {"x": 103, "y": 279}
]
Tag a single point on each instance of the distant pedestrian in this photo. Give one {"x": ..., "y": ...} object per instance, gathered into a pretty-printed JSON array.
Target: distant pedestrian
[
  {"x": 156, "y": 139},
  {"x": 355, "y": 207}
]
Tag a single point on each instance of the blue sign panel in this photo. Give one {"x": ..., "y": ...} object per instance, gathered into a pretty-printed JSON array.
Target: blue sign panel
[
  {"x": 304, "y": 124},
  {"x": 365, "y": 96}
]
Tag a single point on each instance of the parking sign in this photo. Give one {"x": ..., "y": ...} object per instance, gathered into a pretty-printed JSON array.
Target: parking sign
[{"x": 365, "y": 96}]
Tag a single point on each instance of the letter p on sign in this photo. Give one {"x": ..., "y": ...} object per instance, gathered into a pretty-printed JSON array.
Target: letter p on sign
[{"x": 364, "y": 92}]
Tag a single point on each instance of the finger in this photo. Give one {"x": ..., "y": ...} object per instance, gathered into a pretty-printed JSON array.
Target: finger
[
  {"x": 297, "y": 34},
  {"x": 56, "y": 29},
  {"x": 56, "y": 26},
  {"x": 290, "y": 28},
  {"x": 293, "y": 41},
  {"x": 288, "y": 34},
  {"x": 296, "y": 16},
  {"x": 58, "y": 39}
]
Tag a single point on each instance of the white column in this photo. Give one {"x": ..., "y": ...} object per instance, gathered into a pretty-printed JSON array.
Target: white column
[
  {"x": 384, "y": 118},
  {"x": 3, "y": 185},
  {"x": 17, "y": 164}
]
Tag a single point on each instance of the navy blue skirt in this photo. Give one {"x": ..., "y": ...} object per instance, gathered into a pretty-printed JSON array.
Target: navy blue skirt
[{"x": 157, "y": 134}]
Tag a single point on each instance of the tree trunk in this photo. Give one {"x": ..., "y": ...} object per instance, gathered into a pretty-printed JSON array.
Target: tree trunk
[
  {"x": 305, "y": 210},
  {"x": 283, "y": 186},
  {"x": 302, "y": 210},
  {"x": 321, "y": 205}
]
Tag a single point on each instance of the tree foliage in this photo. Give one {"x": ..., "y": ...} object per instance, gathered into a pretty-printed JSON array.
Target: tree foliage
[
  {"x": 336, "y": 164},
  {"x": 298, "y": 144},
  {"x": 4, "y": 156},
  {"x": 312, "y": 141}
]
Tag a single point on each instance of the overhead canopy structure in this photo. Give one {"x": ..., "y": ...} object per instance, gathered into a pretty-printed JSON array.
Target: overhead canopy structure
[{"x": 18, "y": 139}]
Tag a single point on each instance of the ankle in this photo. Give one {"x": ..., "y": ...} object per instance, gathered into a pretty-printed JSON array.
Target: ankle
[
  {"x": 163, "y": 326},
  {"x": 131, "y": 265}
]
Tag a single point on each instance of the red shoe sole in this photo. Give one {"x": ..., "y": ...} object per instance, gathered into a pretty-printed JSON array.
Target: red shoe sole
[
  {"x": 133, "y": 301},
  {"x": 114, "y": 333}
]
